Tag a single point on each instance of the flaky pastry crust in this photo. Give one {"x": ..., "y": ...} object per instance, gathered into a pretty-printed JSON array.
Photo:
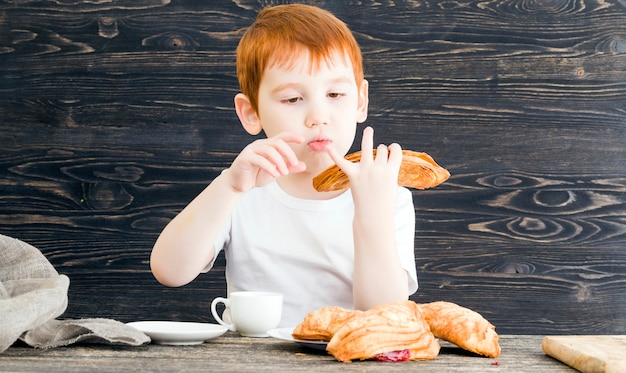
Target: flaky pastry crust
[
  {"x": 388, "y": 332},
  {"x": 321, "y": 324},
  {"x": 461, "y": 326},
  {"x": 418, "y": 170},
  {"x": 384, "y": 329}
]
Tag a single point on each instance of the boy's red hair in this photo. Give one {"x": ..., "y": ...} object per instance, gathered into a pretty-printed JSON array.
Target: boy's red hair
[{"x": 280, "y": 33}]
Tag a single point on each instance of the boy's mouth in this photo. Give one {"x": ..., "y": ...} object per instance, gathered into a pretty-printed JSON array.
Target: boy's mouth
[{"x": 319, "y": 144}]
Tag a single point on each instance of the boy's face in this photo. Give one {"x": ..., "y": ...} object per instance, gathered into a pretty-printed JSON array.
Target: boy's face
[{"x": 323, "y": 105}]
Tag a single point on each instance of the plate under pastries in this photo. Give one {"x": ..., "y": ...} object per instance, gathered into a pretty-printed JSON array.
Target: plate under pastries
[
  {"x": 178, "y": 333},
  {"x": 285, "y": 335}
]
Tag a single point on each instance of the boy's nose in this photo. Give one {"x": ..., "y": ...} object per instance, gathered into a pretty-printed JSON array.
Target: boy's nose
[
  {"x": 318, "y": 115},
  {"x": 312, "y": 123}
]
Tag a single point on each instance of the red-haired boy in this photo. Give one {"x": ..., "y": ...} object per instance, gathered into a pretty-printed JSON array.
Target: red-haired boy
[{"x": 301, "y": 77}]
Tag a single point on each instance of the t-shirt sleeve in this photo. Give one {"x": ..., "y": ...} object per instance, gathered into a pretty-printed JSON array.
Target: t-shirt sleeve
[{"x": 405, "y": 236}]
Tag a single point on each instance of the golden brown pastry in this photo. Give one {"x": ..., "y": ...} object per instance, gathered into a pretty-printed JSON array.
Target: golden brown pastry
[
  {"x": 418, "y": 170},
  {"x": 461, "y": 326},
  {"x": 321, "y": 324},
  {"x": 391, "y": 332}
]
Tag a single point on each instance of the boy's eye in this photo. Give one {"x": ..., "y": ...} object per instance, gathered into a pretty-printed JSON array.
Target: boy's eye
[
  {"x": 335, "y": 94},
  {"x": 292, "y": 100}
]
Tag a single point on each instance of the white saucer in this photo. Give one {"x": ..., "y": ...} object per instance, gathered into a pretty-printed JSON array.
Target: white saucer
[
  {"x": 285, "y": 335},
  {"x": 178, "y": 333}
]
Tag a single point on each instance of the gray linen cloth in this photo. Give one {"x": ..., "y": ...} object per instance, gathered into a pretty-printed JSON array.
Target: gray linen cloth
[{"x": 33, "y": 294}]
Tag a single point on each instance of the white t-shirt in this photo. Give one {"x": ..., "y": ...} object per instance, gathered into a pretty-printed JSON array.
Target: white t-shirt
[{"x": 303, "y": 249}]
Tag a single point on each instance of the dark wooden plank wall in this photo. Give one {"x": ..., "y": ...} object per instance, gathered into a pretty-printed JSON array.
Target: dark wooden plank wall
[{"x": 115, "y": 114}]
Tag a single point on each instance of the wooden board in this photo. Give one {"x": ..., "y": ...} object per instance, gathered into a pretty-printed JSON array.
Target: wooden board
[{"x": 588, "y": 353}]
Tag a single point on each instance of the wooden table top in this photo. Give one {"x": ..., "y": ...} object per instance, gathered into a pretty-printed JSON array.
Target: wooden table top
[{"x": 230, "y": 352}]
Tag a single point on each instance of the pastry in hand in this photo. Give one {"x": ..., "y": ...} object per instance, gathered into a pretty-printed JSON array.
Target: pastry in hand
[
  {"x": 417, "y": 170},
  {"x": 321, "y": 324},
  {"x": 461, "y": 326},
  {"x": 390, "y": 332}
]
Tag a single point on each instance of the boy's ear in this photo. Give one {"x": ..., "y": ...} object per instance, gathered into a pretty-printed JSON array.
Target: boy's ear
[
  {"x": 247, "y": 115},
  {"x": 363, "y": 101}
]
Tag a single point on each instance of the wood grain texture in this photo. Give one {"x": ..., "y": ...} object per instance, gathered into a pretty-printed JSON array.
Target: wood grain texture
[
  {"x": 232, "y": 352},
  {"x": 114, "y": 115},
  {"x": 588, "y": 353}
]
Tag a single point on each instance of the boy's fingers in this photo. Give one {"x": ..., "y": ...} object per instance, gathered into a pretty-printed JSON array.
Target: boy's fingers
[
  {"x": 334, "y": 156},
  {"x": 395, "y": 154},
  {"x": 382, "y": 153},
  {"x": 367, "y": 145},
  {"x": 268, "y": 166},
  {"x": 344, "y": 164},
  {"x": 284, "y": 149},
  {"x": 286, "y": 153}
]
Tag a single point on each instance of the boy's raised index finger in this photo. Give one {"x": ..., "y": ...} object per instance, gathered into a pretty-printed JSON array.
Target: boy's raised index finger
[
  {"x": 367, "y": 144},
  {"x": 335, "y": 156},
  {"x": 344, "y": 164}
]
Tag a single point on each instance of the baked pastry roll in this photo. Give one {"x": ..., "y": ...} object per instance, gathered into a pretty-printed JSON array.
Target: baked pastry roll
[
  {"x": 461, "y": 326},
  {"x": 390, "y": 330},
  {"x": 417, "y": 170},
  {"x": 321, "y": 324}
]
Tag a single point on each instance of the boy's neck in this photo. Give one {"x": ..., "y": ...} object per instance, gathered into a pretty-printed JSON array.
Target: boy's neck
[{"x": 301, "y": 186}]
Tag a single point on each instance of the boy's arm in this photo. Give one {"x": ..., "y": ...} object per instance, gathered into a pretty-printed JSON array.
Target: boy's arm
[
  {"x": 185, "y": 246},
  {"x": 378, "y": 274},
  {"x": 379, "y": 277}
]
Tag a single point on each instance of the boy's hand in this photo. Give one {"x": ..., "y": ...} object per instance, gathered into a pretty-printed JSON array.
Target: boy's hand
[
  {"x": 262, "y": 161},
  {"x": 373, "y": 181}
]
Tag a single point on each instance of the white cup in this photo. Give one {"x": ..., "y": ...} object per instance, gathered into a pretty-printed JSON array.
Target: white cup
[{"x": 253, "y": 313}]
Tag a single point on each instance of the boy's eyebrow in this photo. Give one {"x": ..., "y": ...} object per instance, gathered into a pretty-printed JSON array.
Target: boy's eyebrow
[
  {"x": 342, "y": 79},
  {"x": 284, "y": 86},
  {"x": 280, "y": 87}
]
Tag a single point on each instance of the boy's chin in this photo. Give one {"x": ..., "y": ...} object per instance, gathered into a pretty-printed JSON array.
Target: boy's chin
[
  {"x": 319, "y": 164},
  {"x": 311, "y": 172}
]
